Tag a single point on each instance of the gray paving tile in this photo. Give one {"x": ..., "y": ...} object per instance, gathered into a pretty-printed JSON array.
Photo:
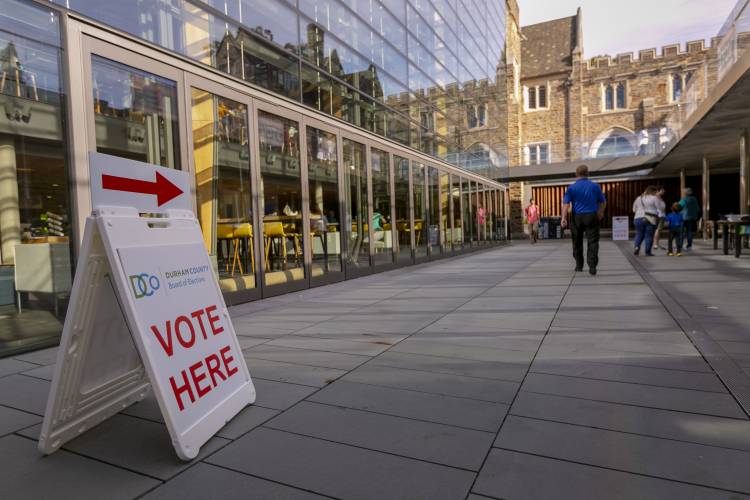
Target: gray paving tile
[
  {"x": 24, "y": 393},
  {"x": 612, "y": 318},
  {"x": 513, "y": 475},
  {"x": 698, "y": 464},
  {"x": 134, "y": 444},
  {"x": 483, "y": 322},
  {"x": 512, "y": 341},
  {"x": 414, "y": 305},
  {"x": 29, "y": 474},
  {"x": 461, "y": 412},
  {"x": 497, "y": 391},
  {"x": 633, "y": 374},
  {"x": 279, "y": 395},
  {"x": 44, "y": 372},
  {"x": 309, "y": 357},
  {"x": 526, "y": 291},
  {"x": 41, "y": 357},
  {"x": 292, "y": 373},
  {"x": 333, "y": 345},
  {"x": 663, "y": 361},
  {"x": 625, "y": 344},
  {"x": 9, "y": 366},
  {"x": 443, "y": 291},
  {"x": 513, "y": 372},
  {"x": 208, "y": 481},
  {"x": 708, "y": 403},
  {"x": 690, "y": 427},
  {"x": 434, "y": 347},
  {"x": 429, "y": 441},
  {"x": 340, "y": 470},
  {"x": 511, "y": 303},
  {"x": 245, "y": 421},
  {"x": 248, "y": 342},
  {"x": 148, "y": 409},
  {"x": 13, "y": 420}
]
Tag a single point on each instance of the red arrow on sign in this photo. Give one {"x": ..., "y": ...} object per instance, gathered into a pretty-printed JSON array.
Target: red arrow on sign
[{"x": 163, "y": 188}]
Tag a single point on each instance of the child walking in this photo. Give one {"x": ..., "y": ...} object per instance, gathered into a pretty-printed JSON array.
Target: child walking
[{"x": 676, "y": 222}]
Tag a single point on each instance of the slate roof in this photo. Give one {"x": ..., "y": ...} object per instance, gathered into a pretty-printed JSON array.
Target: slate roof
[{"x": 548, "y": 47}]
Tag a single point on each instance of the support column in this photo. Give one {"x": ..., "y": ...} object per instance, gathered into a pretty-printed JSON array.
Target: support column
[
  {"x": 683, "y": 182},
  {"x": 10, "y": 215},
  {"x": 706, "y": 183},
  {"x": 745, "y": 172}
]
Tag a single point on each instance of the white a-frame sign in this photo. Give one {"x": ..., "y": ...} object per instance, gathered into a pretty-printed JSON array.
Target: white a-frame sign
[{"x": 145, "y": 313}]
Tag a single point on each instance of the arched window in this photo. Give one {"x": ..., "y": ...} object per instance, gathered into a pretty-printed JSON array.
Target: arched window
[
  {"x": 676, "y": 86},
  {"x": 476, "y": 115},
  {"x": 609, "y": 98},
  {"x": 620, "y": 96},
  {"x": 614, "y": 96},
  {"x": 613, "y": 143}
]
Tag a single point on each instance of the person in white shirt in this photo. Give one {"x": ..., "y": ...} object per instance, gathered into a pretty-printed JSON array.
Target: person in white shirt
[{"x": 646, "y": 208}]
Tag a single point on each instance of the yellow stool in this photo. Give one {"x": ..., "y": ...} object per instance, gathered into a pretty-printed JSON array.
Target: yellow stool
[
  {"x": 225, "y": 232},
  {"x": 244, "y": 230}
]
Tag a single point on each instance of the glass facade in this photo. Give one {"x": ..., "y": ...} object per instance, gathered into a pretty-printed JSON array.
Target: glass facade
[
  {"x": 388, "y": 66},
  {"x": 286, "y": 198},
  {"x": 35, "y": 208}
]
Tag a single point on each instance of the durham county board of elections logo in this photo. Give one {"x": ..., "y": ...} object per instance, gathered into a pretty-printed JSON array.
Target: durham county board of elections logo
[{"x": 144, "y": 285}]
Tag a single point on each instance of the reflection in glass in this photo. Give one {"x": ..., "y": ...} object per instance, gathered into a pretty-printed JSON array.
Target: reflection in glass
[
  {"x": 433, "y": 183},
  {"x": 457, "y": 234},
  {"x": 222, "y": 186},
  {"x": 466, "y": 211},
  {"x": 382, "y": 235},
  {"x": 474, "y": 220},
  {"x": 281, "y": 199},
  {"x": 325, "y": 216},
  {"x": 420, "y": 209},
  {"x": 490, "y": 215},
  {"x": 135, "y": 113},
  {"x": 402, "y": 201},
  {"x": 35, "y": 212},
  {"x": 445, "y": 216},
  {"x": 355, "y": 189}
]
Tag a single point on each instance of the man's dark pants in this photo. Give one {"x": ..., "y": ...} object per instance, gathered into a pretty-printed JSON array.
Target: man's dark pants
[{"x": 588, "y": 225}]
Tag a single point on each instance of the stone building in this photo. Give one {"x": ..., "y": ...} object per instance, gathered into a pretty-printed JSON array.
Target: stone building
[{"x": 564, "y": 107}]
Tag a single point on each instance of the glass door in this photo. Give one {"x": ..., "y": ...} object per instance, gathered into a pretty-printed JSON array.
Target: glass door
[
  {"x": 219, "y": 145},
  {"x": 382, "y": 194},
  {"x": 445, "y": 217},
  {"x": 402, "y": 214},
  {"x": 356, "y": 207},
  {"x": 134, "y": 105},
  {"x": 456, "y": 211},
  {"x": 433, "y": 190},
  {"x": 322, "y": 156},
  {"x": 281, "y": 201},
  {"x": 419, "y": 192}
]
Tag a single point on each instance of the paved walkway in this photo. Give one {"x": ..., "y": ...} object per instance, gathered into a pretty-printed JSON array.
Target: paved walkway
[{"x": 501, "y": 374}]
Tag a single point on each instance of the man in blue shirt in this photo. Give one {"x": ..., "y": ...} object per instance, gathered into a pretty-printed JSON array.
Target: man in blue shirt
[{"x": 585, "y": 200}]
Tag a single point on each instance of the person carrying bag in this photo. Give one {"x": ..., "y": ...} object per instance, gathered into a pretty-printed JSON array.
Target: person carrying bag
[{"x": 647, "y": 214}]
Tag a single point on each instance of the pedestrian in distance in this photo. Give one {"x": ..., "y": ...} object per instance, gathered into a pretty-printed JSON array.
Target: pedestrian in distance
[
  {"x": 660, "y": 192},
  {"x": 646, "y": 208},
  {"x": 675, "y": 223},
  {"x": 584, "y": 203},
  {"x": 690, "y": 215},
  {"x": 532, "y": 217}
]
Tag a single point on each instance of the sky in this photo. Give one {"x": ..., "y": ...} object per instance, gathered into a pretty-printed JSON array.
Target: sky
[{"x": 612, "y": 27}]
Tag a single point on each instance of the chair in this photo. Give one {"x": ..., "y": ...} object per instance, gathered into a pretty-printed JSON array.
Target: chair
[
  {"x": 225, "y": 233},
  {"x": 243, "y": 231},
  {"x": 272, "y": 231}
]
